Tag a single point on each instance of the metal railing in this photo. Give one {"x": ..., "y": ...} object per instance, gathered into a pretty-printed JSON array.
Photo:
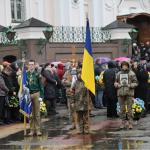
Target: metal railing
[{"x": 78, "y": 34}]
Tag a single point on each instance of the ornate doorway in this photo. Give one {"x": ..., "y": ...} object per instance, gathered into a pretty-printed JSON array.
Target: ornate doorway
[
  {"x": 9, "y": 58},
  {"x": 142, "y": 24}
]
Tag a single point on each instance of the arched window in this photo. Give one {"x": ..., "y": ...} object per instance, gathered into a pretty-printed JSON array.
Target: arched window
[{"x": 18, "y": 10}]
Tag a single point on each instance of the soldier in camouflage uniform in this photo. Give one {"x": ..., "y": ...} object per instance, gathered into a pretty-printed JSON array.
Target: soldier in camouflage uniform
[
  {"x": 80, "y": 103},
  {"x": 126, "y": 93},
  {"x": 67, "y": 80},
  {"x": 36, "y": 93}
]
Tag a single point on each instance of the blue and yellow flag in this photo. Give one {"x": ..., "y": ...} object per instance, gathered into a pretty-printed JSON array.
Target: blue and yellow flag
[
  {"x": 24, "y": 95},
  {"x": 88, "y": 66}
]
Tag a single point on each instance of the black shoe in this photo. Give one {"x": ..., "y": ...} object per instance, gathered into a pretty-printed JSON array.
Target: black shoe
[
  {"x": 148, "y": 112},
  {"x": 6, "y": 121},
  {"x": 91, "y": 115},
  {"x": 1, "y": 123},
  {"x": 56, "y": 112},
  {"x": 102, "y": 107},
  {"x": 11, "y": 121},
  {"x": 115, "y": 116}
]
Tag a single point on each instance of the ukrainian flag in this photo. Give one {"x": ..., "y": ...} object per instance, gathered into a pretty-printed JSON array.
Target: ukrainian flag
[
  {"x": 24, "y": 95},
  {"x": 88, "y": 66}
]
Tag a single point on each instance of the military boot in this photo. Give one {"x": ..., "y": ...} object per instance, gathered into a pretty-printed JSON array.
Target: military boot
[
  {"x": 86, "y": 131},
  {"x": 122, "y": 126},
  {"x": 130, "y": 125},
  {"x": 73, "y": 126},
  {"x": 38, "y": 133},
  {"x": 31, "y": 133},
  {"x": 81, "y": 131}
]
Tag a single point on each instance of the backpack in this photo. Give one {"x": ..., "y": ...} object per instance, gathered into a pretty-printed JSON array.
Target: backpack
[
  {"x": 43, "y": 81},
  {"x": 148, "y": 77}
]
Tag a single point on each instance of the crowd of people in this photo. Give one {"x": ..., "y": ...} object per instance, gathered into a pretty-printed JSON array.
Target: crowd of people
[{"x": 123, "y": 81}]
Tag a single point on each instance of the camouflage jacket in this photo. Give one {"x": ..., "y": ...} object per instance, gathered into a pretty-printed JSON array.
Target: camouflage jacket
[
  {"x": 132, "y": 81},
  {"x": 79, "y": 96},
  {"x": 67, "y": 83}
]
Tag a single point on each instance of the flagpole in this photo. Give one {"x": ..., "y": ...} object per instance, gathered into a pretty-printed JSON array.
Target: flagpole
[
  {"x": 25, "y": 131},
  {"x": 23, "y": 62},
  {"x": 88, "y": 91},
  {"x": 88, "y": 113}
]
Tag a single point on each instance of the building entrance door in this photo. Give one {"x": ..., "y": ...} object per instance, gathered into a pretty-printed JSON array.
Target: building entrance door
[
  {"x": 141, "y": 23},
  {"x": 9, "y": 58}
]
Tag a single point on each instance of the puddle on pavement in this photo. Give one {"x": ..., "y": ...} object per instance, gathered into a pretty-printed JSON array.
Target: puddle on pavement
[{"x": 53, "y": 137}]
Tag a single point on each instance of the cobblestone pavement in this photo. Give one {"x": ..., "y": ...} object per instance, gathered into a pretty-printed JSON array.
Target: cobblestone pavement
[{"x": 105, "y": 134}]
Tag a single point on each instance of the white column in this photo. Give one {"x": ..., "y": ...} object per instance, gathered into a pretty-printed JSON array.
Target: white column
[
  {"x": 98, "y": 15},
  {"x": 70, "y": 13},
  {"x": 7, "y": 12},
  {"x": 31, "y": 9},
  {"x": 58, "y": 7},
  {"x": 115, "y": 10},
  {"x": 41, "y": 10},
  {"x": 81, "y": 12}
]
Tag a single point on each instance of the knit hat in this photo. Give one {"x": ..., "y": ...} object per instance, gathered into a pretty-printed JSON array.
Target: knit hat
[
  {"x": 125, "y": 63},
  {"x": 140, "y": 67},
  {"x": 47, "y": 64},
  {"x": 143, "y": 58},
  {"x": 52, "y": 65}
]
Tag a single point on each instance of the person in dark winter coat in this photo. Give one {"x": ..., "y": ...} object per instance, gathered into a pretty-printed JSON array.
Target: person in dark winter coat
[
  {"x": 13, "y": 76},
  {"x": 110, "y": 90},
  {"x": 141, "y": 90},
  {"x": 118, "y": 65},
  {"x": 147, "y": 46},
  {"x": 3, "y": 91},
  {"x": 146, "y": 57},
  {"x": 136, "y": 56},
  {"x": 143, "y": 50},
  {"x": 49, "y": 89},
  {"x": 99, "y": 89},
  {"x": 60, "y": 73},
  {"x": 148, "y": 70},
  {"x": 14, "y": 83},
  {"x": 57, "y": 90},
  {"x": 5, "y": 75}
]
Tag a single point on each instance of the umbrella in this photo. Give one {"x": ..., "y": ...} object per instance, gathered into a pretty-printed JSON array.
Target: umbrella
[
  {"x": 122, "y": 59},
  {"x": 103, "y": 60},
  {"x": 19, "y": 62},
  {"x": 56, "y": 63}
]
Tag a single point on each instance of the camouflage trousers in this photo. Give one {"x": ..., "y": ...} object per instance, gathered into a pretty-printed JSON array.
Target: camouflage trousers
[
  {"x": 83, "y": 121},
  {"x": 35, "y": 119},
  {"x": 71, "y": 112},
  {"x": 122, "y": 113}
]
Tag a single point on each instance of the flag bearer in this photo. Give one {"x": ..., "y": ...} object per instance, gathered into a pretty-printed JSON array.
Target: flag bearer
[
  {"x": 36, "y": 94},
  {"x": 79, "y": 101}
]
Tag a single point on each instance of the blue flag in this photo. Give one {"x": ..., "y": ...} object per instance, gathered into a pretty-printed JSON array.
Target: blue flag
[{"x": 24, "y": 95}]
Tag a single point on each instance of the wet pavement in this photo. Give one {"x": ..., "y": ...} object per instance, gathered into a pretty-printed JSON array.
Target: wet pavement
[{"x": 105, "y": 135}]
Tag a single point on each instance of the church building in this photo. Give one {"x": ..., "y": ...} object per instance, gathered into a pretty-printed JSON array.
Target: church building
[{"x": 110, "y": 22}]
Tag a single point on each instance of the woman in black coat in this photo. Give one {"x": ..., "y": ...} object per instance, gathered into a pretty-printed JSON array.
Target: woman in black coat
[
  {"x": 57, "y": 91},
  {"x": 49, "y": 89},
  {"x": 142, "y": 90},
  {"x": 110, "y": 90}
]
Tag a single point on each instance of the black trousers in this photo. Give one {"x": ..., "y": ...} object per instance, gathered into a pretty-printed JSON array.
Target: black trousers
[
  {"x": 111, "y": 107},
  {"x": 2, "y": 99}
]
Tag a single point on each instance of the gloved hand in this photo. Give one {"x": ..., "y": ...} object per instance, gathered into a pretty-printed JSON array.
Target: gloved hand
[{"x": 40, "y": 99}]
